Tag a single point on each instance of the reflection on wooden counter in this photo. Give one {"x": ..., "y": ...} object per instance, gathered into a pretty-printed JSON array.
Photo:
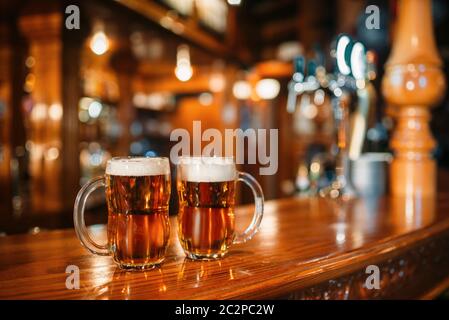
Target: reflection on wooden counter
[{"x": 306, "y": 249}]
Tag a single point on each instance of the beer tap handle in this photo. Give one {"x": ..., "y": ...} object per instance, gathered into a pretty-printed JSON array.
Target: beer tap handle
[
  {"x": 291, "y": 98},
  {"x": 298, "y": 76},
  {"x": 299, "y": 68},
  {"x": 341, "y": 89},
  {"x": 311, "y": 68},
  {"x": 359, "y": 119}
]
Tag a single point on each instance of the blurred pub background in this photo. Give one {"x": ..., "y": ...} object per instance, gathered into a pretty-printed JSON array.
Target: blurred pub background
[{"x": 135, "y": 70}]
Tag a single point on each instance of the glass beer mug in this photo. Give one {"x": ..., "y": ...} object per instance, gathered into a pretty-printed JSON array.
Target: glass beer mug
[
  {"x": 206, "y": 189},
  {"x": 137, "y": 196}
]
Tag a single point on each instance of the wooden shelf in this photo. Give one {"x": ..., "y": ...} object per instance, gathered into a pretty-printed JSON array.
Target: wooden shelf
[{"x": 192, "y": 29}]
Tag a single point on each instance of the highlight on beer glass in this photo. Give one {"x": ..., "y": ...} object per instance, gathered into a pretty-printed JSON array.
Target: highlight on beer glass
[
  {"x": 206, "y": 218},
  {"x": 137, "y": 197}
]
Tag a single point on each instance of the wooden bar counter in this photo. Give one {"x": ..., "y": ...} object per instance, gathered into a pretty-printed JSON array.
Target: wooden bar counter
[{"x": 306, "y": 249}]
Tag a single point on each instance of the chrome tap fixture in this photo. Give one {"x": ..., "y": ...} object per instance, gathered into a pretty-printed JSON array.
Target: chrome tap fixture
[
  {"x": 350, "y": 80},
  {"x": 299, "y": 83}
]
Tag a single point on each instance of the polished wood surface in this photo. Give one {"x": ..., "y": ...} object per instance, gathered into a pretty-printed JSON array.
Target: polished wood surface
[
  {"x": 414, "y": 82},
  {"x": 306, "y": 249}
]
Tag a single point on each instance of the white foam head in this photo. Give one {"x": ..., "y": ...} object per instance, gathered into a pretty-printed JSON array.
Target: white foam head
[
  {"x": 138, "y": 166},
  {"x": 207, "y": 169}
]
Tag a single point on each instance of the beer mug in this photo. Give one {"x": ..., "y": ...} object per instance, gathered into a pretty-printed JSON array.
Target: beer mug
[
  {"x": 206, "y": 189},
  {"x": 137, "y": 196}
]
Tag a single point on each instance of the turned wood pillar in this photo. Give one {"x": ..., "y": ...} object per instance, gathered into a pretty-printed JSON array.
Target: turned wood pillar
[
  {"x": 43, "y": 33},
  {"x": 413, "y": 82},
  {"x": 73, "y": 41},
  {"x": 52, "y": 125}
]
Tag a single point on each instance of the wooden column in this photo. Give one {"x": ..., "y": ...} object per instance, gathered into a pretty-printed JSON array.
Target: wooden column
[
  {"x": 6, "y": 52},
  {"x": 43, "y": 32},
  {"x": 413, "y": 82},
  {"x": 71, "y": 95}
]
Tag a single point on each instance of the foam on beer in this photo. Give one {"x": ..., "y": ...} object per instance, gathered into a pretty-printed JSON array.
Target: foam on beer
[
  {"x": 207, "y": 169},
  {"x": 138, "y": 166}
]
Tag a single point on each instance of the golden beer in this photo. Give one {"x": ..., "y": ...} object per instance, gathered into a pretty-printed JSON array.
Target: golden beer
[
  {"x": 138, "y": 223},
  {"x": 206, "y": 221},
  {"x": 206, "y": 217},
  {"x": 137, "y": 195}
]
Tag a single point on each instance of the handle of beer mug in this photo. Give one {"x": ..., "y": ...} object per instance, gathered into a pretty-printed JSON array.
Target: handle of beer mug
[
  {"x": 78, "y": 217},
  {"x": 250, "y": 181}
]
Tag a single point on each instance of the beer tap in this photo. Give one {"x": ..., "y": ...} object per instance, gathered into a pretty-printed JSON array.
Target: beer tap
[
  {"x": 348, "y": 82},
  {"x": 341, "y": 187},
  {"x": 350, "y": 86},
  {"x": 300, "y": 84},
  {"x": 295, "y": 84}
]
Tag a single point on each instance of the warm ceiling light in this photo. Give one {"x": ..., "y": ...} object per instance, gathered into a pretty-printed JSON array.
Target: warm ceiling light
[
  {"x": 234, "y": 2},
  {"x": 268, "y": 88},
  {"x": 217, "y": 80},
  {"x": 99, "y": 43},
  {"x": 241, "y": 90},
  {"x": 183, "y": 70}
]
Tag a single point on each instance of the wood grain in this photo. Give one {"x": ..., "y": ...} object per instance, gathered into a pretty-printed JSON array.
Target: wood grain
[
  {"x": 413, "y": 82},
  {"x": 306, "y": 249}
]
